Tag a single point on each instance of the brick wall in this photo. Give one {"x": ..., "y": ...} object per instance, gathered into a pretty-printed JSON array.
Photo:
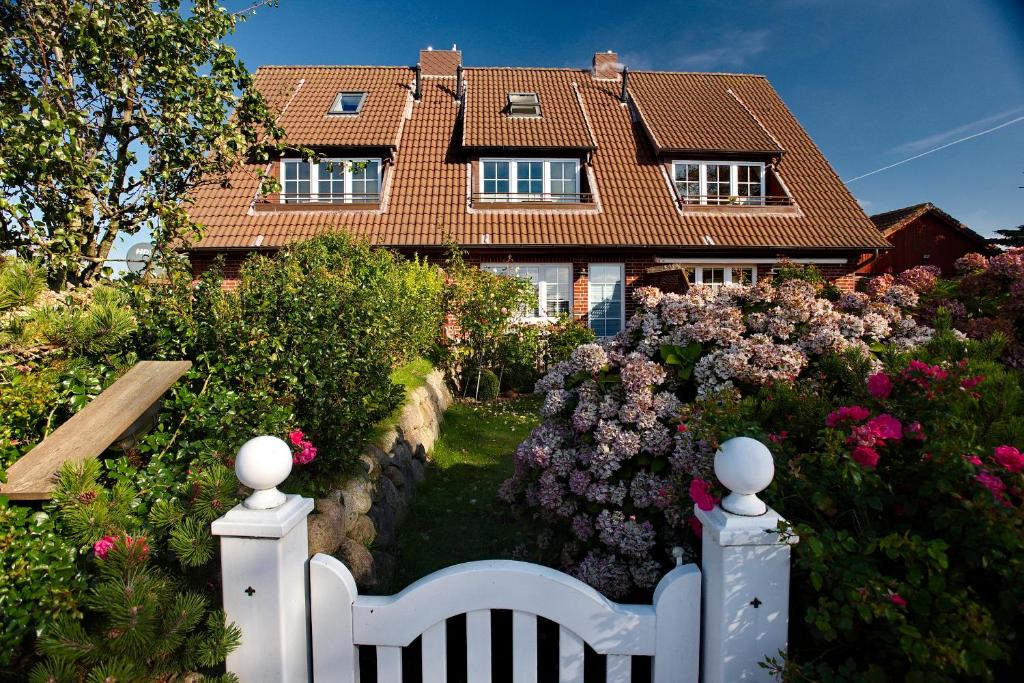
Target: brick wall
[{"x": 635, "y": 263}]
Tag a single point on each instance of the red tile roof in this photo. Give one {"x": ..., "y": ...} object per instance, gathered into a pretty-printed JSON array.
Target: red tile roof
[
  {"x": 562, "y": 124},
  {"x": 304, "y": 95},
  {"x": 425, "y": 191}
]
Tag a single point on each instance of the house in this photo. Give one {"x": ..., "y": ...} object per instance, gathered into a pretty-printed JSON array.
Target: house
[
  {"x": 922, "y": 235},
  {"x": 589, "y": 182}
]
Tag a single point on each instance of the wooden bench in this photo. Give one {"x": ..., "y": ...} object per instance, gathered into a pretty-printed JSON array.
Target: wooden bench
[{"x": 92, "y": 430}]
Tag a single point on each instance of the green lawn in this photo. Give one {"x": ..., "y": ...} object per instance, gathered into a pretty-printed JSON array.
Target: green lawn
[{"x": 457, "y": 516}]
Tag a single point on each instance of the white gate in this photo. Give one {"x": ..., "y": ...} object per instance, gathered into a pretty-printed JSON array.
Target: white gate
[
  {"x": 668, "y": 630},
  {"x": 716, "y": 624}
]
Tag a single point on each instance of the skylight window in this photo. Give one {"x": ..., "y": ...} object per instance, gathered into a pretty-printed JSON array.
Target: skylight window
[
  {"x": 348, "y": 103},
  {"x": 523, "y": 104}
]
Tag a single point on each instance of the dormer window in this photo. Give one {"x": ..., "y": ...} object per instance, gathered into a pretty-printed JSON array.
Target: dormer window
[
  {"x": 350, "y": 103},
  {"x": 330, "y": 181},
  {"x": 523, "y": 104},
  {"x": 530, "y": 180},
  {"x": 719, "y": 182}
]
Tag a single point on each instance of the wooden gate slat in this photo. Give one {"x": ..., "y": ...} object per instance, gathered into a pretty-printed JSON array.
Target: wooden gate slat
[
  {"x": 524, "y": 647},
  {"x": 435, "y": 654},
  {"x": 389, "y": 664},
  {"x": 570, "y": 656},
  {"x": 618, "y": 669},
  {"x": 478, "y": 646}
]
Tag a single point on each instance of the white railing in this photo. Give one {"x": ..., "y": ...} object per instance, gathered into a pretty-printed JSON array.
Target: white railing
[{"x": 294, "y": 631}]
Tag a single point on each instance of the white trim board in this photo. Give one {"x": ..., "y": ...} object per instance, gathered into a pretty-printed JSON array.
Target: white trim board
[{"x": 700, "y": 260}]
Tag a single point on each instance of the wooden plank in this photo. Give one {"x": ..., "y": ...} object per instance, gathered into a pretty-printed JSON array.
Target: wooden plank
[
  {"x": 93, "y": 429},
  {"x": 435, "y": 654},
  {"x": 524, "y": 647},
  {"x": 619, "y": 669},
  {"x": 389, "y": 664},
  {"x": 570, "y": 656},
  {"x": 478, "y": 646}
]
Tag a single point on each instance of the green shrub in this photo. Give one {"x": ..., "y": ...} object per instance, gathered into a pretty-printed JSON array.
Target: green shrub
[
  {"x": 308, "y": 339},
  {"x": 39, "y": 580},
  {"x": 483, "y": 385},
  {"x": 909, "y": 510},
  {"x": 526, "y": 350}
]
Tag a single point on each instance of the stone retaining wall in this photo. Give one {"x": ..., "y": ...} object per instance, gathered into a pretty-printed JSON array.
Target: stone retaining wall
[{"x": 358, "y": 522}]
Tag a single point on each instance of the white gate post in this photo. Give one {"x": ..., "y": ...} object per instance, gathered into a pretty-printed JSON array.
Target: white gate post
[
  {"x": 263, "y": 565},
  {"x": 745, "y": 569}
]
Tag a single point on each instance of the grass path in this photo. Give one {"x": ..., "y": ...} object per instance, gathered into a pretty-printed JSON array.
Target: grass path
[{"x": 456, "y": 516}]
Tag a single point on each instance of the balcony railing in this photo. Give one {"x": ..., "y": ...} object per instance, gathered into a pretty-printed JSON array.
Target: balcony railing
[
  {"x": 533, "y": 198},
  {"x": 328, "y": 198},
  {"x": 733, "y": 200}
]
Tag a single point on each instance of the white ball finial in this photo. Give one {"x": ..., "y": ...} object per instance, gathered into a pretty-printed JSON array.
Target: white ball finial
[
  {"x": 745, "y": 467},
  {"x": 261, "y": 464}
]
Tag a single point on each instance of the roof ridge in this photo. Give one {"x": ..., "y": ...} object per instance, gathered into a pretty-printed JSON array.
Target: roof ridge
[
  {"x": 334, "y": 66},
  {"x": 695, "y": 73},
  {"x": 910, "y": 207}
]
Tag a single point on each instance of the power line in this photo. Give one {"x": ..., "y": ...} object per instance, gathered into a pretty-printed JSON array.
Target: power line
[{"x": 940, "y": 147}]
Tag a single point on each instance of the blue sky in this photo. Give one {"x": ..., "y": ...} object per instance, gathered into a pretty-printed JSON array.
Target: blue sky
[{"x": 872, "y": 82}]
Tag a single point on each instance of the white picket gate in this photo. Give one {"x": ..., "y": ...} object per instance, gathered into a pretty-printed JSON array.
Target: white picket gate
[{"x": 305, "y": 620}]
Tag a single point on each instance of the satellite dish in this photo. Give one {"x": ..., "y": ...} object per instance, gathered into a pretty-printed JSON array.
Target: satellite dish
[{"x": 139, "y": 255}]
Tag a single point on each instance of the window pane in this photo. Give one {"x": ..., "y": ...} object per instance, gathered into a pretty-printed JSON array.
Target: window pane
[
  {"x": 718, "y": 182},
  {"x": 530, "y": 177},
  {"x": 296, "y": 181},
  {"x": 743, "y": 276},
  {"x": 687, "y": 178},
  {"x": 714, "y": 276},
  {"x": 748, "y": 184},
  {"x": 496, "y": 178},
  {"x": 331, "y": 181},
  {"x": 563, "y": 180},
  {"x": 605, "y": 304}
]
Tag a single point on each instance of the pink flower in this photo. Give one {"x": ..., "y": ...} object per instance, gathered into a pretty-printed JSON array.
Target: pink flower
[
  {"x": 852, "y": 413},
  {"x": 681, "y": 428},
  {"x": 865, "y": 456},
  {"x": 700, "y": 492},
  {"x": 778, "y": 438},
  {"x": 885, "y": 427},
  {"x": 971, "y": 382},
  {"x": 103, "y": 546},
  {"x": 1009, "y": 457},
  {"x": 897, "y": 600},
  {"x": 995, "y": 485},
  {"x": 880, "y": 385},
  {"x": 915, "y": 431},
  {"x": 296, "y": 437},
  {"x": 973, "y": 459}
]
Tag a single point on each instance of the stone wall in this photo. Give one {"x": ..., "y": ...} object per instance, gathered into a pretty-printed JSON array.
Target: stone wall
[{"x": 358, "y": 522}]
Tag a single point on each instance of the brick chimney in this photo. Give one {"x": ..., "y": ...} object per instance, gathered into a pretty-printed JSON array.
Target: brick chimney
[
  {"x": 440, "y": 62},
  {"x": 607, "y": 66}
]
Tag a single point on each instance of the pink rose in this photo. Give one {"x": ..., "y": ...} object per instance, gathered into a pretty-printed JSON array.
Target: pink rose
[
  {"x": 103, "y": 546},
  {"x": 897, "y": 600},
  {"x": 296, "y": 437},
  {"x": 914, "y": 431},
  {"x": 995, "y": 485},
  {"x": 681, "y": 429},
  {"x": 700, "y": 492},
  {"x": 865, "y": 456},
  {"x": 852, "y": 413},
  {"x": 885, "y": 427},
  {"x": 1009, "y": 457},
  {"x": 880, "y": 385},
  {"x": 971, "y": 382},
  {"x": 778, "y": 438},
  {"x": 973, "y": 459}
]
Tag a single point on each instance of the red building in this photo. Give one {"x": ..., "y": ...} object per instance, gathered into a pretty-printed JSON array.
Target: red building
[
  {"x": 589, "y": 182},
  {"x": 922, "y": 235}
]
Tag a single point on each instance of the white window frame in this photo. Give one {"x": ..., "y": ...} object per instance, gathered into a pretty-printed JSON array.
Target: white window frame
[
  {"x": 527, "y": 102},
  {"x": 622, "y": 298},
  {"x": 733, "y": 181},
  {"x": 508, "y": 268},
  {"x": 698, "y": 272},
  {"x": 314, "y": 181},
  {"x": 513, "y": 181},
  {"x": 336, "y": 108}
]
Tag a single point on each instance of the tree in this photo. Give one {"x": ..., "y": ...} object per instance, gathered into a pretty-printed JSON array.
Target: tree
[
  {"x": 111, "y": 113},
  {"x": 1011, "y": 237}
]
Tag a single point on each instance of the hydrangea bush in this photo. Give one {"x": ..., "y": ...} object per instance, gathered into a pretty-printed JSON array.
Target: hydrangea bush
[{"x": 604, "y": 468}]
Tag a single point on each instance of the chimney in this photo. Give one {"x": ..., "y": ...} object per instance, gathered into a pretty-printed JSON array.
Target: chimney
[
  {"x": 606, "y": 65},
  {"x": 440, "y": 62}
]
